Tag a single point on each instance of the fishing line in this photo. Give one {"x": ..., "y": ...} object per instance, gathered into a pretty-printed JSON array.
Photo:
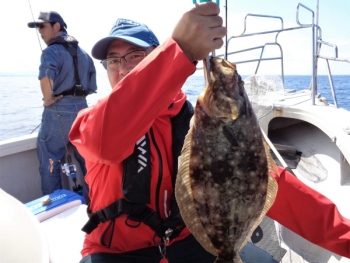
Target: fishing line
[
  {"x": 225, "y": 56},
  {"x": 31, "y": 11},
  {"x": 35, "y": 128}
]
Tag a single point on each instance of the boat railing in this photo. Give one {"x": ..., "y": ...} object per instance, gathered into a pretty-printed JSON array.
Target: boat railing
[
  {"x": 262, "y": 47},
  {"x": 261, "y": 56},
  {"x": 316, "y": 47},
  {"x": 327, "y": 58}
]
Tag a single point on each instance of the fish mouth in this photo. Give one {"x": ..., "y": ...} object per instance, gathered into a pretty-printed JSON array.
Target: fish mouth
[{"x": 221, "y": 98}]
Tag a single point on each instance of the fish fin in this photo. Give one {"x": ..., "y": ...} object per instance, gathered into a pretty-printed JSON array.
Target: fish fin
[
  {"x": 185, "y": 200},
  {"x": 192, "y": 121},
  {"x": 271, "y": 164}
]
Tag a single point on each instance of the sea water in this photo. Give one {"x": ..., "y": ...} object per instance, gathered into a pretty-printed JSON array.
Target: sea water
[{"x": 21, "y": 98}]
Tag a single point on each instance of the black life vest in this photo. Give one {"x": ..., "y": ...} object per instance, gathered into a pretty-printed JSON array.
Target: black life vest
[
  {"x": 136, "y": 188},
  {"x": 71, "y": 44}
]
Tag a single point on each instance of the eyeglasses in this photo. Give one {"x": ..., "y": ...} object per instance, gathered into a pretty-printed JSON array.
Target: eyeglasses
[{"x": 133, "y": 58}]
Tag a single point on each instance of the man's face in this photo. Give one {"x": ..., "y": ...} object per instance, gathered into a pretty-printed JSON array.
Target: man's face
[
  {"x": 117, "y": 49},
  {"x": 47, "y": 31}
]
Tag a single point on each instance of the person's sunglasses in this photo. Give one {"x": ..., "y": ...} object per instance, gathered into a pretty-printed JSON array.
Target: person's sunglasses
[{"x": 40, "y": 26}]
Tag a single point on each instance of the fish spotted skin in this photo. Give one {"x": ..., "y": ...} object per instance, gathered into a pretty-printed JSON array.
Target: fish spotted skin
[{"x": 223, "y": 180}]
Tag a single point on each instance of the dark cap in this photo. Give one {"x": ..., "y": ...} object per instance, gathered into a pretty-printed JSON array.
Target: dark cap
[
  {"x": 127, "y": 30},
  {"x": 50, "y": 16}
]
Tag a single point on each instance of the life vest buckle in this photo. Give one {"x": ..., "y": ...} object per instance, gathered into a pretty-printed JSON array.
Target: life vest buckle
[{"x": 130, "y": 218}]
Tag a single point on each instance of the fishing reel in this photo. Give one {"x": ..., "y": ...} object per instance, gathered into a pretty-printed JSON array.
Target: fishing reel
[{"x": 71, "y": 170}]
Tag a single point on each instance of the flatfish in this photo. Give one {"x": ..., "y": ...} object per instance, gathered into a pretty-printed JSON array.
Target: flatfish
[{"x": 223, "y": 187}]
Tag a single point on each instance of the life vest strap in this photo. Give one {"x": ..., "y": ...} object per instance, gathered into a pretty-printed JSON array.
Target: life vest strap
[
  {"x": 71, "y": 44},
  {"x": 136, "y": 212}
]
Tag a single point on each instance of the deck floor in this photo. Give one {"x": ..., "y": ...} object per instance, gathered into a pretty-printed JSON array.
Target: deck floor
[{"x": 320, "y": 157}]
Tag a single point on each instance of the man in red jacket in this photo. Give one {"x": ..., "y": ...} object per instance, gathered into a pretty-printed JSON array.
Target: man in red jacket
[{"x": 129, "y": 141}]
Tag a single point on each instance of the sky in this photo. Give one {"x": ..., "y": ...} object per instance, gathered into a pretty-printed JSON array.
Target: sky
[{"x": 89, "y": 21}]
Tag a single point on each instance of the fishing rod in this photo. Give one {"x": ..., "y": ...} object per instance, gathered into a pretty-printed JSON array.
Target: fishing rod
[
  {"x": 218, "y": 3},
  {"x": 213, "y": 53},
  {"x": 68, "y": 167}
]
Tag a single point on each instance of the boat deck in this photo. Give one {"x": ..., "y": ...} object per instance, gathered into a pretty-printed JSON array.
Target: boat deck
[{"x": 324, "y": 162}]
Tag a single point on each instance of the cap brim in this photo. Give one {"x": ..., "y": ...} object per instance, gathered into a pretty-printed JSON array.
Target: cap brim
[
  {"x": 99, "y": 50},
  {"x": 34, "y": 23}
]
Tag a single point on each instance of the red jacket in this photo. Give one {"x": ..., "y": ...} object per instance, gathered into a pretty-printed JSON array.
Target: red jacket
[
  {"x": 106, "y": 134},
  {"x": 310, "y": 215}
]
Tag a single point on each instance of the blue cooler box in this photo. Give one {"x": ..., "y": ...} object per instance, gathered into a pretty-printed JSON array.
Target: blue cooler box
[{"x": 55, "y": 203}]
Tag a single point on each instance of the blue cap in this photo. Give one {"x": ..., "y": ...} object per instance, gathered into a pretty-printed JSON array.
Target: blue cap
[
  {"x": 128, "y": 30},
  {"x": 45, "y": 17}
]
